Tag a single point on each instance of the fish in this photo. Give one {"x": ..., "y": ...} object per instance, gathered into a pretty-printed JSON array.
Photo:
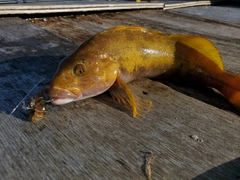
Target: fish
[{"x": 111, "y": 59}]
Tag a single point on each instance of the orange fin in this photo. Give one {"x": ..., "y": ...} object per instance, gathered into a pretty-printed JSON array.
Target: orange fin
[
  {"x": 203, "y": 46},
  {"x": 123, "y": 95}
]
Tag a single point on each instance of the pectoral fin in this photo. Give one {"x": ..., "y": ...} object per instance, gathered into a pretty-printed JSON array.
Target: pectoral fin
[{"x": 123, "y": 94}]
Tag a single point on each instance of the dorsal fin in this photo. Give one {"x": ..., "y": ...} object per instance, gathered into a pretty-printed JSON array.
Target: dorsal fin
[
  {"x": 202, "y": 45},
  {"x": 133, "y": 28}
]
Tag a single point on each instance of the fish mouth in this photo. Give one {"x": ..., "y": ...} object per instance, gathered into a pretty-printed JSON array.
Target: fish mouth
[{"x": 59, "y": 96}]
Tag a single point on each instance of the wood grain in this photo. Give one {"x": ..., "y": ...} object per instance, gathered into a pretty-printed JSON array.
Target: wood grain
[{"x": 98, "y": 139}]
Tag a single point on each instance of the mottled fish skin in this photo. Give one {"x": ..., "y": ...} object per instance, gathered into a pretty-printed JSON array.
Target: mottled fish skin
[{"x": 121, "y": 54}]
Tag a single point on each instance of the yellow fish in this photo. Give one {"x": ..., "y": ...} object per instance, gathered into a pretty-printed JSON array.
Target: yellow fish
[{"x": 112, "y": 58}]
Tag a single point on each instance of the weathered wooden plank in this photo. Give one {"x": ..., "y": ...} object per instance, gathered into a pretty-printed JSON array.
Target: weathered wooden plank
[
  {"x": 96, "y": 138},
  {"x": 88, "y": 6},
  {"x": 228, "y": 13},
  {"x": 176, "y": 5},
  {"x": 77, "y": 6}
]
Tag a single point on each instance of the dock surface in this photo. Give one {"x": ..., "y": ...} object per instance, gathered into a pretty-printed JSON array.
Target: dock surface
[{"x": 194, "y": 133}]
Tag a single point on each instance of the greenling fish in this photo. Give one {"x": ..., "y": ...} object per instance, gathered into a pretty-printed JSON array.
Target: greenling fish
[{"x": 112, "y": 58}]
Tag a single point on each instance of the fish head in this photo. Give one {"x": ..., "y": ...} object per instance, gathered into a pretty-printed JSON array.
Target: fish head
[{"x": 82, "y": 75}]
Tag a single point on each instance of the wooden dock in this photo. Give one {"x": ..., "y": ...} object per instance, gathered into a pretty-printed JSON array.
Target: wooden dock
[
  {"x": 194, "y": 133},
  {"x": 73, "y": 6}
]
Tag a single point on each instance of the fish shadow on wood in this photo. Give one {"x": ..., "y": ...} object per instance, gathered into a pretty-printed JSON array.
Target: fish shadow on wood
[
  {"x": 17, "y": 78},
  {"x": 198, "y": 92},
  {"x": 227, "y": 171},
  {"x": 109, "y": 101},
  {"x": 201, "y": 93}
]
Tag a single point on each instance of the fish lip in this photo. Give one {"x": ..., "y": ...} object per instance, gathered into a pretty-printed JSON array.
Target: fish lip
[
  {"x": 60, "y": 96},
  {"x": 61, "y": 101}
]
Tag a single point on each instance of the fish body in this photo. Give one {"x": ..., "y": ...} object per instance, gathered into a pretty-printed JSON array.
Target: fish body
[{"x": 112, "y": 58}]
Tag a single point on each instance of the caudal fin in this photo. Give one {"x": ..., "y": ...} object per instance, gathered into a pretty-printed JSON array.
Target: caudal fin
[
  {"x": 206, "y": 69},
  {"x": 229, "y": 86}
]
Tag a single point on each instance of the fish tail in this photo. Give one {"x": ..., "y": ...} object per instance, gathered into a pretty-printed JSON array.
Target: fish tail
[
  {"x": 226, "y": 83},
  {"x": 205, "y": 68},
  {"x": 229, "y": 86}
]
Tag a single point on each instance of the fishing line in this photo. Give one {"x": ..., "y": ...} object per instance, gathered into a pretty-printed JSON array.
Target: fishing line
[{"x": 24, "y": 98}]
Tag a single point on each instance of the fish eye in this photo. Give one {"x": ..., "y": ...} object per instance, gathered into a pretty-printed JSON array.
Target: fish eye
[{"x": 79, "y": 69}]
